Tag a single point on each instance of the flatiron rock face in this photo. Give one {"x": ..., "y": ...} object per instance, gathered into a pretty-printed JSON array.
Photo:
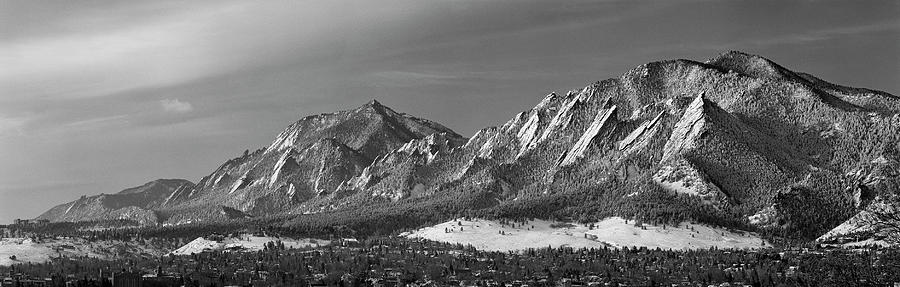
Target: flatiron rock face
[
  {"x": 737, "y": 133},
  {"x": 306, "y": 164}
]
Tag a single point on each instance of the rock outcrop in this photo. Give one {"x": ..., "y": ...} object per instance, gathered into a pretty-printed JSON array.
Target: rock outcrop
[{"x": 731, "y": 132}]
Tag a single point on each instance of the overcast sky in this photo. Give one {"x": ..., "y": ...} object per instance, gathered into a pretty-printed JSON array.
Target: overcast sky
[{"x": 98, "y": 96}]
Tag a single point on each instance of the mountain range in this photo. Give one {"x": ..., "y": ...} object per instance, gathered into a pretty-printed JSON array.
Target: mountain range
[{"x": 736, "y": 140}]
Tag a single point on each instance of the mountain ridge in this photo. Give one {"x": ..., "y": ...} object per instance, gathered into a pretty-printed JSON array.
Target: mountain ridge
[
  {"x": 135, "y": 203},
  {"x": 307, "y": 162},
  {"x": 723, "y": 140}
]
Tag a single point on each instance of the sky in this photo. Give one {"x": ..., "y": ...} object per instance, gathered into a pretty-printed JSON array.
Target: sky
[{"x": 97, "y": 96}]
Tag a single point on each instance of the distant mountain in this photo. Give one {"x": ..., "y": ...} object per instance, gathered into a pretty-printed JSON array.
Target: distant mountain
[
  {"x": 737, "y": 140},
  {"x": 136, "y": 203}
]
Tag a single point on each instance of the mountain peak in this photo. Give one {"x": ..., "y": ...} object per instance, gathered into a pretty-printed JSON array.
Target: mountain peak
[
  {"x": 373, "y": 103},
  {"x": 736, "y": 53},
  {"x": 751, "y": 65},
  {"x": 374, "y": 106}
]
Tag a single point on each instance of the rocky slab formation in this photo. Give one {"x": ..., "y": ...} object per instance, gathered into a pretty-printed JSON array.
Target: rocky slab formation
[
  {"x": 734, "y": 131},
  {"x": 408, "y": 171},
  {"x": 304, "y": 166}
]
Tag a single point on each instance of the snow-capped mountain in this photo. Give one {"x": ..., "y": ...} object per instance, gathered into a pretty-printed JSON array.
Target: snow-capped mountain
[
  {"x": 737, "y": 137},
  {"x": 305, "y": 165}
]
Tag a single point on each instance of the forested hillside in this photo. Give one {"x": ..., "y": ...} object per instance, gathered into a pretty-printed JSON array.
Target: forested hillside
[{"x": 736, "y": 141}]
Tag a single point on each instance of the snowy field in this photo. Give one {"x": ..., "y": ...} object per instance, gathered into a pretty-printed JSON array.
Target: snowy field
[
  {"x": 244, "y": 243},
  {"x": 25, "y": 250},
  {"x": 613, "y": 232}
]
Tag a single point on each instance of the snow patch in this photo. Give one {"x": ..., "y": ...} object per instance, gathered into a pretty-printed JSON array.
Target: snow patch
[
  {"x": 24, "y": 250},
  {"x": 614, "y": 231},
  {"x": 27, "y": 251},
  {"x": 766, "y": 216},
  {"x": 244, "y": 243},
  {"x": 291, "y": 190}
]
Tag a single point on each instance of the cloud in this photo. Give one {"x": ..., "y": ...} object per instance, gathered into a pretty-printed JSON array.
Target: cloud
[
  {"x": 176, "y": 106},
  {"x": 11, "y": 125},
  {"x": 167, "y": 49},
  {"x": 97, "y": 122}
]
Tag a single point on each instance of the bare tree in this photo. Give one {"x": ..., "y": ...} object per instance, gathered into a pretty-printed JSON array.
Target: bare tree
[{"x": 885, "y": 219}]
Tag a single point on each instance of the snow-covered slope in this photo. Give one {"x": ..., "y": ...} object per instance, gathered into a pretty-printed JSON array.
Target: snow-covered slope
[
  {"x": 26, "y": 250},
  {"x": 244, "y": 243},
  {"x": 613, "y": 231}
]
